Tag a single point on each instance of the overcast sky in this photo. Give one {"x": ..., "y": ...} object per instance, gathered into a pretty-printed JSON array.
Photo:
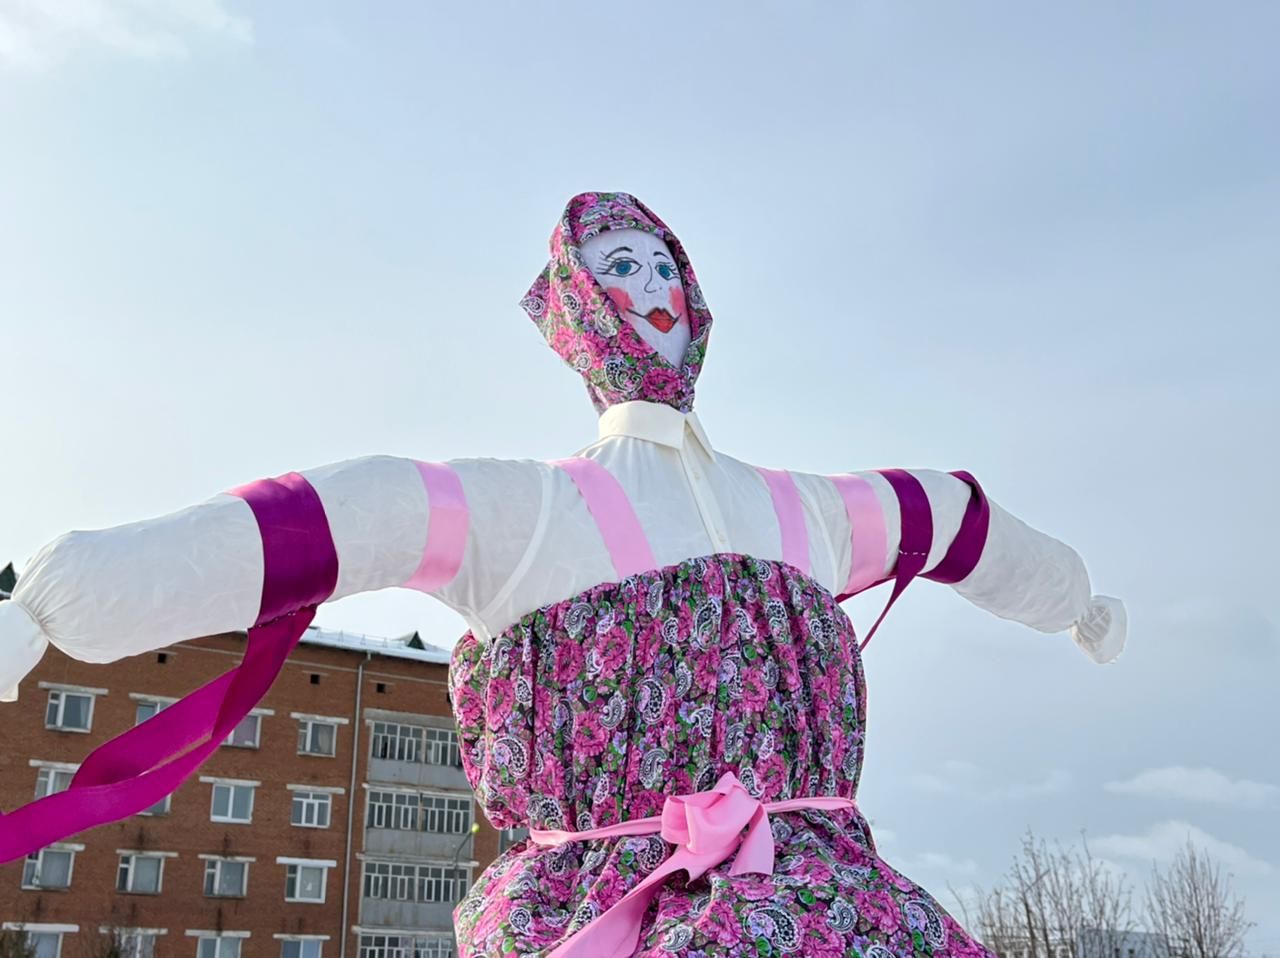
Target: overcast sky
[{"x": 1037, "y": 241}]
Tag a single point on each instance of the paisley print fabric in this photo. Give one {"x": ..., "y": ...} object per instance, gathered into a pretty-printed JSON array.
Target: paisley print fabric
[
  {"x": 583, "y": 325},
  {"x": 591, "y": 711}
]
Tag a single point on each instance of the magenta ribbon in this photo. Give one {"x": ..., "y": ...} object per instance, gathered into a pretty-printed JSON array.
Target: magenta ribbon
[
  {"x": 138, "y": 768},
  {"x": 917, "y": 537},
  {"x": 706, "y": 827}
]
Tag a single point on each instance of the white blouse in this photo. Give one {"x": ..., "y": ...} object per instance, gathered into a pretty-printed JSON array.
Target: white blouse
[{"x": 530, "y": 541}]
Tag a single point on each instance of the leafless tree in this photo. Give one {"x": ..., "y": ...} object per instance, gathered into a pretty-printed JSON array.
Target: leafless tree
[
  {"x": 14, "y": 944},
  {"x": 1196, "y": 908},
  {"x": 109, "y": 944},
  {"x": 1048, "y": 898}
]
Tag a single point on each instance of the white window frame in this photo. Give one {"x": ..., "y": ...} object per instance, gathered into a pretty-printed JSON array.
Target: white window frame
[
  {"x": 62, "y": 691},
  {"x": 256, "y": 715},
  {"x": 420, "y": 744},
  {"x": 427, "y": 812},
  {"x": 400, "y": 944},
  {"x": 161, "y": 702},
  {"x": 408, "y": 881},
  {"x": 441, "y": 743},
  {"x": 67, "y": 848},
  {"x": 324, "y": 864},
  {"x": 399, "y": 813},
  {"x": 162, "y": 807},
  {"x": 406, "y": 809},
  {"x": 214, "y": 863},
  {"x": 307, "y": 721},
  {"x": 218, "y": 936},
  {"x": 512, "y": 836},
  {"x": 302, "y": 940},
  {"x": 131, "y": 854},
  {"x": 47, "y": 772},
  {"x": 313, "y": 799},
  {"x": 43, "y": 928},
  {"x": 232, "y": 783},
  {"x": 134, "y": 936}
]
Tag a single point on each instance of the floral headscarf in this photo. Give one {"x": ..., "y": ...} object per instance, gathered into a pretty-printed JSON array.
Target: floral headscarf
[{"x": 583, "y": 325}]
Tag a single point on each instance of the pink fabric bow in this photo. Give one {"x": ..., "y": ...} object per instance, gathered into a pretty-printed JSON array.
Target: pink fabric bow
[{"x": 706, "y": 827}]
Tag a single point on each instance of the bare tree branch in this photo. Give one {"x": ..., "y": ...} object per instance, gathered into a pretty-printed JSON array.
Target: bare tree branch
[{"x": 1195, "y": 907}]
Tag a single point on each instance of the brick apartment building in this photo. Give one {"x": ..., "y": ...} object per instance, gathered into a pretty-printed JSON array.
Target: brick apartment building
[{"x": 326, "y": 826}]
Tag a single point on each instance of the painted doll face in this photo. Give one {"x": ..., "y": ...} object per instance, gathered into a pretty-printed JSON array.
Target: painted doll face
[{"x": 639, "y": 274}]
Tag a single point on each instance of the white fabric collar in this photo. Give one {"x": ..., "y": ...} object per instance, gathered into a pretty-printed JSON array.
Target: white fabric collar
[{"x": 653, "y": 422}]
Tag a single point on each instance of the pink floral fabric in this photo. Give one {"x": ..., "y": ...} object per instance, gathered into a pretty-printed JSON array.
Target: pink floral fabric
[
  {"x": 591, "y": 711},
  {"x": 584, "y": 326}
]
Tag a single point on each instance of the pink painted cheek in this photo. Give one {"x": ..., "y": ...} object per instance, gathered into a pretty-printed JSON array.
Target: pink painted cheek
[
  {"x": 677, "y": 302},
  {"x": 620, "y": 298}
]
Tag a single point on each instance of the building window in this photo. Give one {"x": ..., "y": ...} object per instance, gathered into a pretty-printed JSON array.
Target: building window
[
  {"x": 49, "y": 868},
  {"x": 132, "y": 943},
  {"x": 317, "y": 738},
  {"x": 51, "y": 780},
  {"x": 218, "y": 946},
  {"x": 451, "y": 816},
  {"x": 398, "y": 810},
  {"x": 513, "y": 836},
  {"x": 232, "y": 802},
  {"x": 416, "y": 743},
  {"x": 441, "y": 747},
  {"x": 301, "y": 947},
  {"x": 159, "y": 808},
  {"x": 406, "y": 946},
  {"x": 69, "y": 711},
  {"x": 305, "y": 881},
  {"x": 247, "y": 734},
  {"x": 311, "y": 809},
  {"x": 43, "y": 941},
  {"x": 226, "y": 878},
  {"x": 393, "y": 881},
  {"x": 140, "y": 873},
  {"x": 414, "y": 811},
  {"x": 399, "y": 743},
  {"x": 148, "y": 708}
]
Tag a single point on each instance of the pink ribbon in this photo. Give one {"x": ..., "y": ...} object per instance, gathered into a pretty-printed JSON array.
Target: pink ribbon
[{"x": 706, "y": 827}]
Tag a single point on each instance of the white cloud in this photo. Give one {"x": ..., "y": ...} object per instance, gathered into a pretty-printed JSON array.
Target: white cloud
[
  {"x": 1197, "y": 785},
  {"x": 957, "y": 777},
  {"x": 39, "y": 33},
  {"x": 1163, "y": 841}
]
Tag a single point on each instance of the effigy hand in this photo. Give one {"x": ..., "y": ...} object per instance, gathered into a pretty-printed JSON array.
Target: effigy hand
[
  {"x": 23, "y": 642},
  {"x": 1101, "y": 631}
]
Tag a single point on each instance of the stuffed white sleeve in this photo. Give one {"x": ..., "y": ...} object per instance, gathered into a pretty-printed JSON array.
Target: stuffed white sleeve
[
  {"x": 106, "y": 594},
  {"x": 1022, "y": 574}
]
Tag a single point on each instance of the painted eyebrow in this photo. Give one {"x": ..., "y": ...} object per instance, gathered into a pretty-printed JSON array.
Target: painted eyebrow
[
  {"x": 620, "y": 249},
  {"x": 659, "y": 252}
]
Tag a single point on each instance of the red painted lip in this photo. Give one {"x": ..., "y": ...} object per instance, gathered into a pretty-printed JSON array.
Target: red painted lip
[{"x": 660, "y": 319}]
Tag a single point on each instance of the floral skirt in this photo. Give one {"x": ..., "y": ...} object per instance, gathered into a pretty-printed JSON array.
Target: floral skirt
[{"x": 830, "y": 896}]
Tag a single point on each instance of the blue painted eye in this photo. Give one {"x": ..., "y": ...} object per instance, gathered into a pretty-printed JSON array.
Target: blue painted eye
[
  {"x": 666, "y": 270},
  {"x": 622, "y": 267}
]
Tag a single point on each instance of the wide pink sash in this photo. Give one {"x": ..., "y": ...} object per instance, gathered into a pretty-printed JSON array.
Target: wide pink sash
[
  {"x": 611, "y": 509},
  {"x": 706, "y": 827},
  {"x": 790, "y": 512}
]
